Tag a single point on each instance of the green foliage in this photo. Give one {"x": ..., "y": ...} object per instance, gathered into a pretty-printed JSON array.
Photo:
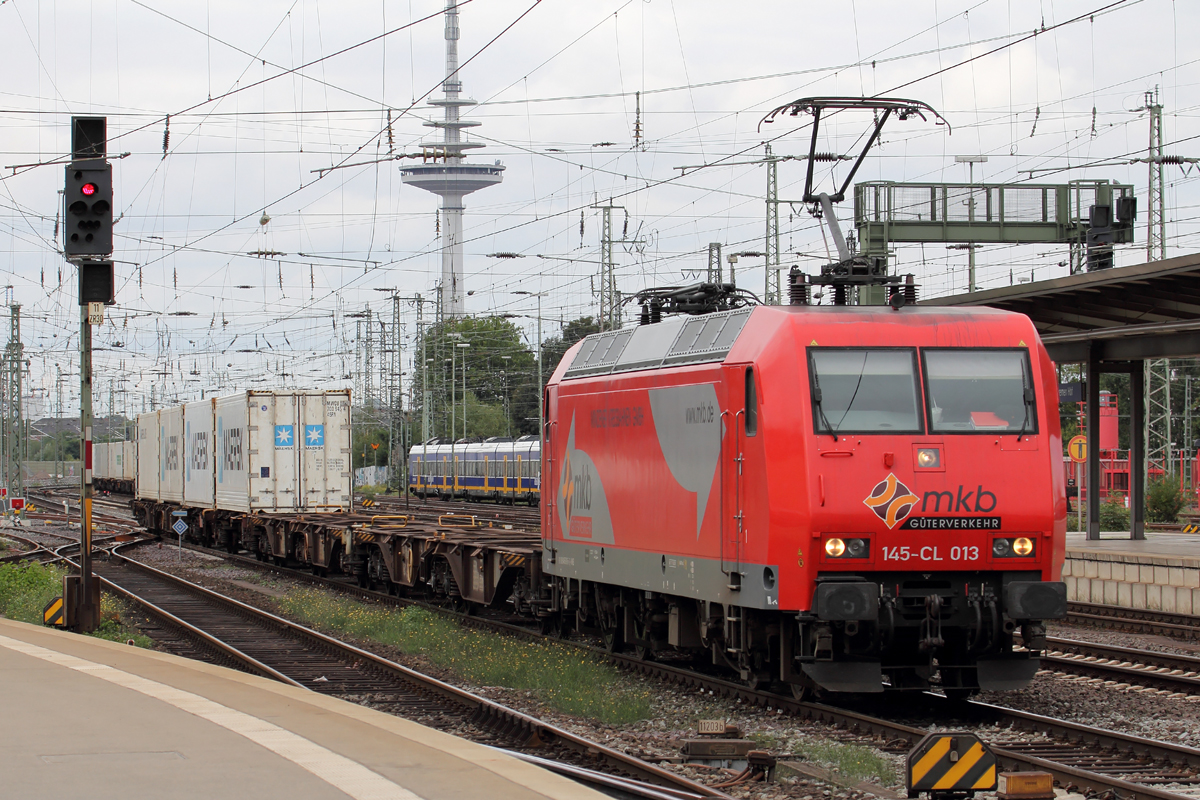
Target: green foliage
[
  {"x": 366, "y": 456},
  {"x": 853, "y": 762},
  {"x": 112, "y": 625},
  {"x": 500, "y": 369},
  {"x": 566, "y": 679},
  {"x": 25, "y": 589},
  {"x": 1114, "y": 516},
  {"x": 1164, "y": 500}
]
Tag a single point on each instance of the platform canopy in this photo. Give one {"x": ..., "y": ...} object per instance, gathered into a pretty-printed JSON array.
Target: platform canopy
[{"x": 1128, "y": 313}]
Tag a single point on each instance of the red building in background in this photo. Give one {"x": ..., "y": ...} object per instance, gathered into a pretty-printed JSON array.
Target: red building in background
[{"x": 1114, "y": 462}]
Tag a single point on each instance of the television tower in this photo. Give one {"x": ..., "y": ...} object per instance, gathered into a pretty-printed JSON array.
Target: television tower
[{"x": 445, "y": 173}]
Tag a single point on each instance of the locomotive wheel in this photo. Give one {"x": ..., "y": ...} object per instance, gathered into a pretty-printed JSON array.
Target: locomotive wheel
[
  {"x": 801, "y": 693},
  {"x": 613, "y": 641},
  {"x": 641, "y": 630}
]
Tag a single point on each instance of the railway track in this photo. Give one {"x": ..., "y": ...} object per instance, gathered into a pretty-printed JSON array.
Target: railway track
[
  {"x": 40, "y": 553},
  {"x": 1165, "y": 671},
  {"x": 1134, "y": 620},
  {"x": 1080, "y": 756},
  {"x": 1086, "y": 758},
  {"x": 233, "y": 633}
]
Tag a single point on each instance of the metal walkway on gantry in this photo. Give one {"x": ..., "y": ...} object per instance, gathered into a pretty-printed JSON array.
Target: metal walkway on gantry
[{"x": 1113, "y": 321}]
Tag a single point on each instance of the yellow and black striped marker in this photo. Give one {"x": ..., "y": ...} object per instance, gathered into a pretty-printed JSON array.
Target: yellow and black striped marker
[
  {"x": 53, "y": 613},
  {"x": 1192, "y": 528},
  {"x": 367, "y": 502},
  {"x": 950, "y": 762}
]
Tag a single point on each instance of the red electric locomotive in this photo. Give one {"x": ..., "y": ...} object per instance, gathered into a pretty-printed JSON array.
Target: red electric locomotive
[{"x": 848, "y": 498}]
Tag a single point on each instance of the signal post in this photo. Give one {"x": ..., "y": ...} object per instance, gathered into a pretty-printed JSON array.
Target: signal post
[{"x": 88, "y": 244}]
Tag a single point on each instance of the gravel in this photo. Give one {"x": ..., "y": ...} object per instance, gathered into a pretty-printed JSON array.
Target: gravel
[{"x": 1135, "y": 710}]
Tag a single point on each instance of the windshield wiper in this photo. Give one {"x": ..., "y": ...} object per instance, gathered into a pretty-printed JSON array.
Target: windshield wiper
[
  {"x": 821, "y": 408},
  {"x": 1027, "y": 396}
]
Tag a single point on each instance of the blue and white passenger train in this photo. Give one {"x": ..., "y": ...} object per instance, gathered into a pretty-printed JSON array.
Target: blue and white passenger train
[{"x": 498, "y": 468}]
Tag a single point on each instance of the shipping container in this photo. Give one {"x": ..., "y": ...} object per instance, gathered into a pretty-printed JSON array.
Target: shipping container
[
  {"x": 114, "y": 465},
  {"x": 127, "y": 461},
  {"x": 283, "y": 451},
  {"x": 170, "y": 457},
  {"x": 199, "y": 482},
  {"x": 147, "y": 456}
]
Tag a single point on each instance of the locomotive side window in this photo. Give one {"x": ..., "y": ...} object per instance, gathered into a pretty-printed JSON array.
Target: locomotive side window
[
  {"x": 751, "y": 403},
  {"x": 856, "y": 390},
  {"x": 980, "y": 391}
]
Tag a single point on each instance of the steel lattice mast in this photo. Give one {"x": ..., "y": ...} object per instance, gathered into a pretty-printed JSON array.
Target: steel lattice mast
[{"x": 13, "y": 419}]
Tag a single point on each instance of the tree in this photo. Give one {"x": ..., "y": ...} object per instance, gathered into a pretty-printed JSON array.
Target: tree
[
  {"x": 364, "y": 454},
  {"x": 498, "y": 365}
]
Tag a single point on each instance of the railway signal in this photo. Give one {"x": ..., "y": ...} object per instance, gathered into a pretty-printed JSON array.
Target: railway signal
[
  {"x": 87, "y": 243},
  {"x": 88, "y": 209}
]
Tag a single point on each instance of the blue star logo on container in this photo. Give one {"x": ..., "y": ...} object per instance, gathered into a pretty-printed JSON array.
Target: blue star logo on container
[
  {"x": 283, "y": 436},
  {"x": 314, "y": 435}
]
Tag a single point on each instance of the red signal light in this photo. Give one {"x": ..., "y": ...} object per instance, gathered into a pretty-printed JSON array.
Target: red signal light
[{"x": 88, "y": 189}]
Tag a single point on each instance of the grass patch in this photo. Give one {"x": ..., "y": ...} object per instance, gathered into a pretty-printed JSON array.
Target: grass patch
[
  {"x": 113, "y": 611},
  {"x": 562, "y": 677},
  {"x": 25, "y": 589},
  {"x": 853, "y": 762}
]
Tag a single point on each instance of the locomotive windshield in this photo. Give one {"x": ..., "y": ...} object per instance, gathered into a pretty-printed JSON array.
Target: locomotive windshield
[
  {"x": 864, "y": 391},
  {"x": 984, "y": 391}
]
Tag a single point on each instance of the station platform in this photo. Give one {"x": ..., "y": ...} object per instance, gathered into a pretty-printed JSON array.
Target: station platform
[
  {"x": 83, "y": 717},
  {"x": 1160, "y": 572}
]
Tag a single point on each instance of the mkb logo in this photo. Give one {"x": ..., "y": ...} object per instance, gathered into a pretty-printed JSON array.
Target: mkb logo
[{"x": 891, "y": 501}]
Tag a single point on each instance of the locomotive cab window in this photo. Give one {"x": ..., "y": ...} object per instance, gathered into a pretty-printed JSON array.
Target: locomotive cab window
[
  {"x": 980, "y": 391},
  {"x": 856, "y": 390},
  {"x": 751, "y": 403}
]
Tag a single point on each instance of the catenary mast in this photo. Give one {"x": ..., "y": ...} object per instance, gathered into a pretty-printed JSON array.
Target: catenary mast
[{"x": 446, "y": 173}]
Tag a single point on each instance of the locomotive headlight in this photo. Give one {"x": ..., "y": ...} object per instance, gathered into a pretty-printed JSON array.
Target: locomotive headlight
[
  {"x": 856, "y": 548},
  {"x": 1002, "y": 548},
  {"x": 847, "y": 548},
  {"x": 929, "y": 458},
  {"x": 1022, "y": 546}
]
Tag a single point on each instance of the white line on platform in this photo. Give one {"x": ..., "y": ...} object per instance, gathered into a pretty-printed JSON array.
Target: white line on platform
[{"x": 338, "y": 771}]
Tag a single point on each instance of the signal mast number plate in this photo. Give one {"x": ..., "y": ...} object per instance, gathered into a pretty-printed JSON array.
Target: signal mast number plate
[{"x": 931, "y": 552}]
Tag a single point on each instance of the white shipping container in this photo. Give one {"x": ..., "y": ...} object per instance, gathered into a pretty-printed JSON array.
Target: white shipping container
[
  {"x": 127, "y": 466},
  {"x": 114, "y": 461},
  {"x": 147, "y": 456},
  {"x": 170, "y": 457},
  {"x": 100, "y": 459},
  {"x": 283, "y": 451},
  {"x": 199, "y": 484}
]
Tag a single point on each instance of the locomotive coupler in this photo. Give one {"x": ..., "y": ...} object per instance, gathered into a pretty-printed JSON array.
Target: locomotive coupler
[
  {"x": 823, "y": 649},
  {"x": 931, "y": 626}
]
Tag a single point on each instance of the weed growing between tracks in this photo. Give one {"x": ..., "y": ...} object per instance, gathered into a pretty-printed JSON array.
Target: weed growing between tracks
[
  {"x": 113, "y": 612},
  {"x": 851, "y": 761},
  {"x": 562, "y": 677}
]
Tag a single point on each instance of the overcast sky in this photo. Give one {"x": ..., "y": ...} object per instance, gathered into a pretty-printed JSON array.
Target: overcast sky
[{"x": 263, "y": 95}]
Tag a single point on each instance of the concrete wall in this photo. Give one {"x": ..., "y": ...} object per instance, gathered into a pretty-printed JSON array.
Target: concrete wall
[{"x": 1160, "y": 583}]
